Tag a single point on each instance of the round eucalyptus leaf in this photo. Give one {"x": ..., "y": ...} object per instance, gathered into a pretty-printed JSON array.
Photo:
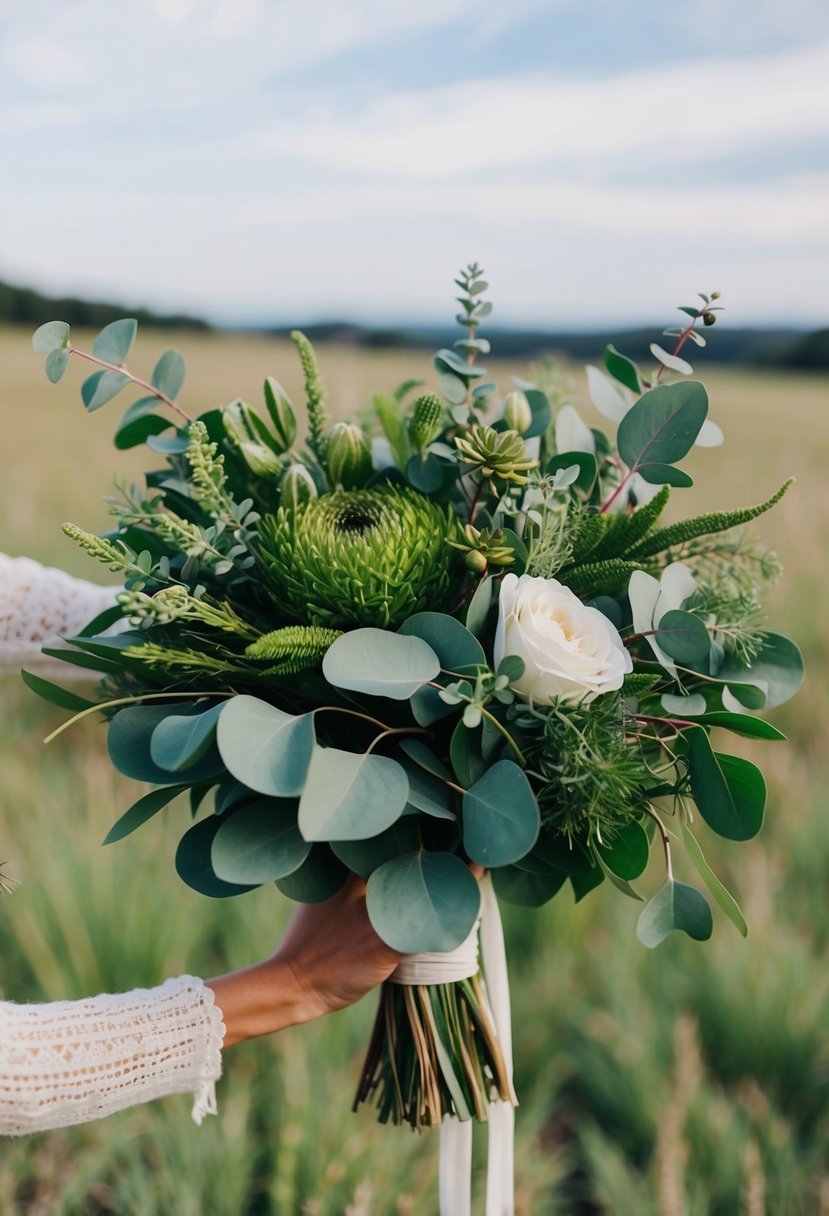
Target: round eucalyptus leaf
[
  {"x": 585, "y": 462},
  {"x": 417, "y": 750},
  {"x": 115, "y": 340},
  {"x": 428, "y": 793},
  {"x": 52, "y": 336},
  {"x": 455, "y": 646},
  {"x": 627, "y": 854},
  {"x": 380, "y": 663},
  {"x": 684, "y": 638},
  {"x": 684, "y": 707},
  {"x": 526, "y": 889},
  {"x": 180, "y": 740},
  {"x": 675, "y": 906},
  {"x": 423, "y": 902},
  {"x": 349, "y": 796},
  {"x": 363, "y": 857},
  {"x": 57, "y": 362},
  {"x": 777, "y": 669},
  {"x": 193, "y": 863},
  {"x": 319, "y": 877},
  {"x": 101, "y": 387},
  {"x": 500, "y": 816},
  {"x": 730, "y": 792},
  {"x": 264, "y": 747},
  {"x": 425, "y": 475},
  {"x": 129, "y": 740},
  {"x": 259, "y": 843}
]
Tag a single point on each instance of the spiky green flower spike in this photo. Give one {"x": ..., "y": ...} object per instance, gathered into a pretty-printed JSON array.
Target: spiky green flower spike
[{"x": 358, "y": 557}]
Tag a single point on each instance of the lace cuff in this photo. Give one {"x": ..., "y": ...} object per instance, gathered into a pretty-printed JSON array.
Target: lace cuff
[
  {"x": 72, "y": 1061},
  {"x": 38, "y": 606}
]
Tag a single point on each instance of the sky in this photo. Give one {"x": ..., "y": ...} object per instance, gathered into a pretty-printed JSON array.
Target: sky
[{"x": 262, "y": 161}]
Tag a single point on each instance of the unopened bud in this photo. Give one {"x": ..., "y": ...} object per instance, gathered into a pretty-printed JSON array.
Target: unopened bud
[
  {"x": 715, "y": 295},
  {"x": 248, "y": 433},
  {"x": 426, "y": 421},
  {"x": 517, "y": 413},
  {"x": 298, "y": 487},
  {"x": 476, "y": 562},
  {"x": 347, "y": 456},
  {"x": 709, "y": 318},
  {"x": 281, "y": 412}
]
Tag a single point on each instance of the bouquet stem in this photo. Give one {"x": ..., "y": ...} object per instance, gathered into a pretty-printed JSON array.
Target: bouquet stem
[{"x": 433, "y": 1052}]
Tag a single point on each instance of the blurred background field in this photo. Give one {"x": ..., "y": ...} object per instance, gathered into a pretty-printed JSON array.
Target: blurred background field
[{"x": 689, "y": 1081}]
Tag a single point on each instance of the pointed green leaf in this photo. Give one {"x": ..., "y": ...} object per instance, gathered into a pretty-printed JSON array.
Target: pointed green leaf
[
  {"x": 115, "y": 340},
  {"x": 661, "y": 428},
  {"x": 479, "y": 606},
  {"x": 730, "y": 792},
  {"x": 141, "y": 811},
  {"x": 101, "y": 387},
  {"x": 54, "y": 694},
  {"x": 527, "y": 890},
  {"x": 168, "y": 374},
  {"x": 723, "y": 897},
  {"x": 264, "y": 747},
  {"x": 622, "y": 369},
  {"x": 627, "y": 854},
  {"x": 423, "y": 902},
  {"x": 675, "y": 906},
  {"x": 416, "y": 750}
]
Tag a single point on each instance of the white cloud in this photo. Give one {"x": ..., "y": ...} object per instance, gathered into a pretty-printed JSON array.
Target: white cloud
[{"x": 664, "y": 114}]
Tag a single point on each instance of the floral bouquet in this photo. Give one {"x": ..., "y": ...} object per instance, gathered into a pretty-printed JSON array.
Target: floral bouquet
[{"x": 457, "y": 631}]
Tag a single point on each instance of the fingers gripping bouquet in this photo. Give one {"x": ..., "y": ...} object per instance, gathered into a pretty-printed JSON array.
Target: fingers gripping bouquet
[{"x": 457, "y": 632}]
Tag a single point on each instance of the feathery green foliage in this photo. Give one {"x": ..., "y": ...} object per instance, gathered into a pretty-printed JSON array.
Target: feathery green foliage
[
  {"x": 703, "y": 525},
  {"x": 318, "y": 418},
  {"x": 591, "y": 530},
  {"x": 640, "y": 683},
  {"x": 627, "y": 530},
  {"x": 293, "y": 648},
  {"x": 609, "y": 577}
]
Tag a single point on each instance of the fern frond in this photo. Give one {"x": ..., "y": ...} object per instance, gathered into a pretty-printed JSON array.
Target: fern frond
[
  {"x": 704, "y": 525},
  {"x": 640, "y": 683},
  {"x": 318, "y": 419},
  {"x": 591, "y": 530}
]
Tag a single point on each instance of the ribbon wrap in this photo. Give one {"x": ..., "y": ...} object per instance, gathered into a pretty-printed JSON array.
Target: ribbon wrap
[{"x": 456, "y": 1136}]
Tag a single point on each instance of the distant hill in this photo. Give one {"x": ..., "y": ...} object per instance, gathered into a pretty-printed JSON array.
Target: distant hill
[
  {"x": 25, "y": 306},
  {"x": 769, "y": 346}
]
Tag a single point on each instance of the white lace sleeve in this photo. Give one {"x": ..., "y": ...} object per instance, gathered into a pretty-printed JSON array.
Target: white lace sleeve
[
  {"x": 38, "y": 605},
  {"x": 71, "y": 1061}
]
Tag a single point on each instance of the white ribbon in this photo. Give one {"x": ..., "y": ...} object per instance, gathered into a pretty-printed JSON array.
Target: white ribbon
[{"x": 456, "y": 1136}]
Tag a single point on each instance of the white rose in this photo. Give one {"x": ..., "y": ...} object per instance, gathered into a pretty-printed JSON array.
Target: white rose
[{"x": 569, "y": 650}]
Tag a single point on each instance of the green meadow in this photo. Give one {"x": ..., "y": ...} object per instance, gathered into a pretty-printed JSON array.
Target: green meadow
[{"x": 688, "y": 1081}]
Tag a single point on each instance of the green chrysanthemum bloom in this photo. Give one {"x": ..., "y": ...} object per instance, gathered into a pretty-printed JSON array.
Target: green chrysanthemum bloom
[
  {"x": 358, "y": 557},
  {"x": 495, "y": 454}
]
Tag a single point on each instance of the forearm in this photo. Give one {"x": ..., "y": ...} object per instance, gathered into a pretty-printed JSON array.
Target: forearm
[{"x": 260, "y": 1000}]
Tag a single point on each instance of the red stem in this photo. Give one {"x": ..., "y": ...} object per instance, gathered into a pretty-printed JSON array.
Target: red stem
[{"x": 151, "y": 389}]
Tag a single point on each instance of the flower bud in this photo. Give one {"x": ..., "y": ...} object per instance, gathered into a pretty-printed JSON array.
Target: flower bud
[
  {"x": 298, "y": 487},
  {"x": 715, "y": 295},
  {"x": 476, "y": 562},
  {"x": 426, "y": 421},
  {"x": 281, "y": 412},
  {"x": 347, "y": 456},
  {"x": 517, "y": 413},
  {"x": 247, "y": 432},
  {"x": 709, "y": 318}
]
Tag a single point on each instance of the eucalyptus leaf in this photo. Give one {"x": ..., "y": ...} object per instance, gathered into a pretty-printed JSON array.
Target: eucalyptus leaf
[
  {"x": 527, "y": 890},
  {"x": 380, "y": 663},
  {"x": 417, "y": 750},
  {"x": 54, "y": 335},
  {"x": 57, "y": 362},
  {"x": 265, "y": 748},
  {"x": 349, "y": 796},
  {"x": 180, "y": 740},
  {"x": 627, "y": 854},
  {"x": 477, "y": 611},
  {"x": 129, "y": 739},
  {"x": 168, "y": 374},
  {"x": 319, "y": 877},
  {"x": 661, "y": 428},
  {"x": 193, "y": 863},
  {"x": 423, "y": 901},
  {"x": 465, "y": 753},
  {"x": 259, "y": 843},
  {"x": 142, "y": 810},
  {"x": 115, "y": 340},
  {"x": 622, "y": 369},
  {"x": 723, "y": 897},
  {"x": 428, "y": 793},
  {"x": 539, "y": 404},
  {"x": 139, "y": 422},
  {"x": 101, "y": 387},
  {"x": 621, "y": 884},
  {"x": 730, "y": 792},
  {"x": 742, "y": 724},
  {"x": 684, "y": 638},
  {"x": 455, "y": 646},
  {"x": 501, "y": 821},
  {"x": 778, "y": 668},
  {"x": 675, "y": 906},
  {"x": 363, "y": 857}
]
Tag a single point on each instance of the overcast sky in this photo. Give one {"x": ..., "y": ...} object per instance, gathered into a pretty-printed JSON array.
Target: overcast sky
[{"x": 285, "y": 160}]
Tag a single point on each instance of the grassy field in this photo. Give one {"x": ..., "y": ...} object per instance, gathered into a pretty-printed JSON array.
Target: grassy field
[{"x": 689, "y": 1081}]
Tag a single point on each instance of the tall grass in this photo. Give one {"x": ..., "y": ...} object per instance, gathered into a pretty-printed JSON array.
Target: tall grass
[{"x": 691, "y": 1081}]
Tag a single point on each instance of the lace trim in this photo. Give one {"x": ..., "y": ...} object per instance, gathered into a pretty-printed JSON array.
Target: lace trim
[{"x": 204, "y": 1100}]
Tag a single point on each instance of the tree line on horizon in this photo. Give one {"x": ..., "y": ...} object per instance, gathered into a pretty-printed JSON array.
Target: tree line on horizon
[{"x": 761, "y": 346}]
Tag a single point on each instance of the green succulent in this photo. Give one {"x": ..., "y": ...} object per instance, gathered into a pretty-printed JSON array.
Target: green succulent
[
  {"x": 358, "y": 557},
  {"x": 492, "y": 453},
  {"x": 484, "y": 548}
]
